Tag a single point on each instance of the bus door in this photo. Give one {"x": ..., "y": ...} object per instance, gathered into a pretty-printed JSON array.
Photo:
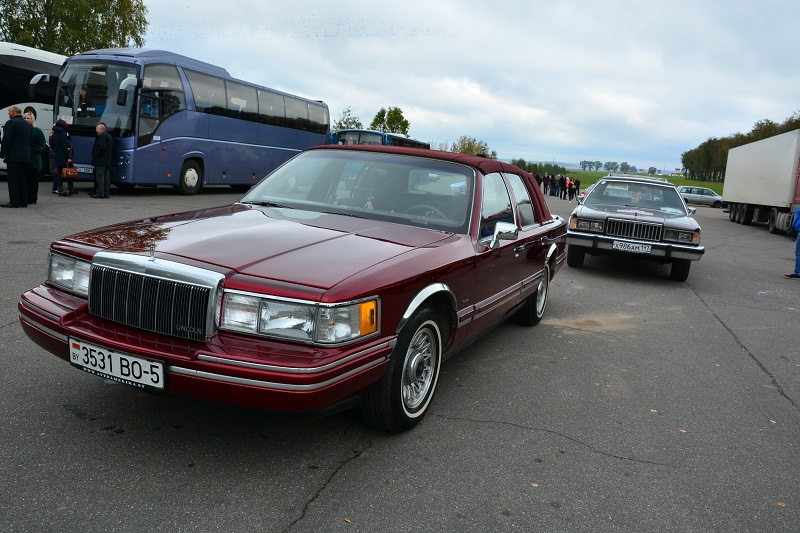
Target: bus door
[{"x": 148, "y": 143}]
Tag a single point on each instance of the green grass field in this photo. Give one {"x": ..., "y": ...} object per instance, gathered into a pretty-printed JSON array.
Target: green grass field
[{"x": 588, "y": 177}]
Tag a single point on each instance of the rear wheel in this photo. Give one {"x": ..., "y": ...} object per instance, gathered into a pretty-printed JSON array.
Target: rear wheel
[
  {"x": 575, "y": 256},
  {"x": 717, "y": 204},
  {"x": 191, "y": 178},
  {"x": 402, "y": 396},
  {"x": 732, "y": 212},
  {"x": 532, "y": 312},
  {"x": 680, "y": 269}
]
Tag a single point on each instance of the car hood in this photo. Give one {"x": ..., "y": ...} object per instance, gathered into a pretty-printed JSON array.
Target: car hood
[
  {"x": 675, "y": 220},
  {"x": 289, "y": 245}
]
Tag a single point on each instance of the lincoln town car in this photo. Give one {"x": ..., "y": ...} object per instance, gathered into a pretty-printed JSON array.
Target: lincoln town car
[{"x": 342, "y": 279}]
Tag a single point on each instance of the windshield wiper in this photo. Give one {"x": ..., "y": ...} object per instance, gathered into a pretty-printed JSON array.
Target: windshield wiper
[{"x": 264, "y": 203}]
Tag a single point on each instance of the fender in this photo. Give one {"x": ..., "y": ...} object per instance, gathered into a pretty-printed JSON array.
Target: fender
[{"x": 423, "y": 295}]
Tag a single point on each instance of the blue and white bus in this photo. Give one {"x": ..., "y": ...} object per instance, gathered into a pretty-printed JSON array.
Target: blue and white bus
[
  {"x": 181, "y": 122},
  {"x": 18, "y": 64},
  {"x": 374, "y": 137}
]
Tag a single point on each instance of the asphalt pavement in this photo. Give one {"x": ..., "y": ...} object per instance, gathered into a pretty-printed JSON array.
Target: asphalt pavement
[{"x": 637, "y": 404}]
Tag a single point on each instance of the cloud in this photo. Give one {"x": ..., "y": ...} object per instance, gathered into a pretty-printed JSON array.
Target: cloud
[{"x": 631, "y": 81}]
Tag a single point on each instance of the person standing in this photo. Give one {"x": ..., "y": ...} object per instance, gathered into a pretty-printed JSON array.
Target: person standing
[
  {"x": 101, "y": 159},
  {"x": 34, "y": 168},
  {"x": 15, "y": 149},
  {"x": 562, "y": 187},
  {"x": 60, "y": 147},
  {"x": 577, "y": 187},
  {"x": 796, "y": 228}
]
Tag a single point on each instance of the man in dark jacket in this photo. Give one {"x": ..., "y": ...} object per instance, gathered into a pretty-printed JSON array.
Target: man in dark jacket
[
  {"x": 15, "y": 149},
  {"x": 101, "y": 159}
]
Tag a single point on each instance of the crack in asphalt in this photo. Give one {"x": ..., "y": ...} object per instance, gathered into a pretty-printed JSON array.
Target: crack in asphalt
[
  {"x": 551, "y": 432},
  {"x": 752, "y": 356},
  {"x": 356, "y": 454}
]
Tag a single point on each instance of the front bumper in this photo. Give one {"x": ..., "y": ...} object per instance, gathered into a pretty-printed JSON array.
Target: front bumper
[
  {"x": 229, "y": 368},
  {"x": 597, "y": 244}
]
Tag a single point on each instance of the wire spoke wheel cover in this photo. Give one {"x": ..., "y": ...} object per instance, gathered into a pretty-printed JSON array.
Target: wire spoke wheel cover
[{"x": 418, "y": 369}]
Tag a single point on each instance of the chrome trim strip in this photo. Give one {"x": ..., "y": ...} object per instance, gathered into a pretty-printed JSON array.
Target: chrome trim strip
[
  {"x": 269, "y": 384},
  {"x": 423, "y": 295},
  {"x": 501, "y": 300},
  {"x": 39, "y": 311},
  {"x": 51, "y": 332},
  {"x": 289, "y": 370}
]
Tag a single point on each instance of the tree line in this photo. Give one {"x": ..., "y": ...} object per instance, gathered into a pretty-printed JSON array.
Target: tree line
[{"x": 707, "y": 162}]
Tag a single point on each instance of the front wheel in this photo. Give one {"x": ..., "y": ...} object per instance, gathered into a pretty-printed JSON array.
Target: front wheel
[
  {"x": 575, "y": 256},
  {"x": 191, "y": 178},
  {"x": 680, "y": 269},
  {"x": 402, "y": 396},
  {"x": 532, "y": 311}
]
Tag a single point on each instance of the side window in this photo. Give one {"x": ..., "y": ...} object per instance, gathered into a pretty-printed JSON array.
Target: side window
[
  {"x": 318, "y": 118},
  {"x": 495, "y": 204},
  {"x": 296, "y": 113},
  {"x": 523, "y": 198},
  {"x": 242, "y": 101},
  {"x": 271, "y": 108},
  {"x": 162, "y": 96},
  {"x": 208, "y": 92}
]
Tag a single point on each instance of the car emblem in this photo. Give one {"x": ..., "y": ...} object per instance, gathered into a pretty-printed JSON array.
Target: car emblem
[{"x": 152, "y": 249}]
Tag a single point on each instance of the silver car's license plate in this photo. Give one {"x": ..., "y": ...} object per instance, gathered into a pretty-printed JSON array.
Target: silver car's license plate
[
  {"x": 632, "y": 247},
  {"x": 121, "y": 367}
]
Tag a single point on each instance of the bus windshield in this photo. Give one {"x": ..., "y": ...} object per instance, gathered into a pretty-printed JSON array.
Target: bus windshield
[{"x": 87, "y": 94}]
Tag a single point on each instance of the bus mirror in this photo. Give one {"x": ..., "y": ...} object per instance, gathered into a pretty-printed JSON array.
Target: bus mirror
[
  {"x": 122, "y": 95},
  {"x": 34, "y": 81}
]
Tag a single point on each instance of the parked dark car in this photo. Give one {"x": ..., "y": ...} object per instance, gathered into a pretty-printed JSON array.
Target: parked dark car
[
  {"x": 635, "y": 217},
  {"x": 347, "y": 275},
  {"x": 700, "y": 195}
]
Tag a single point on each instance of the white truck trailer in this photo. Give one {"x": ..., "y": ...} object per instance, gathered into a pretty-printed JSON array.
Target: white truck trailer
[{"x": 762, "y": 181}]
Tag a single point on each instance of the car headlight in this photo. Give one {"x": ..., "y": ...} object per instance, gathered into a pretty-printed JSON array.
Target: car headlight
[
  {"x": 586, "y": 225},
  {"x": 69, "y": 273},
  {"x": 296, "y": 320},
  {"x": 683, "y": 237}
]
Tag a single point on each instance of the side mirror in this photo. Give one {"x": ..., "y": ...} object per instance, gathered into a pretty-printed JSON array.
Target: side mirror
[
  {"x": 692, "y": 210},
  {"x": 503, "y": 231},
  {"x": 35, "y": 81},
  {"x": 122, "y": 95}
]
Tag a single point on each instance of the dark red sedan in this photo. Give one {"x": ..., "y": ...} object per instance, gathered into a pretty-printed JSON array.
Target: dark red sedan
[{"x": 346, "y": 275}]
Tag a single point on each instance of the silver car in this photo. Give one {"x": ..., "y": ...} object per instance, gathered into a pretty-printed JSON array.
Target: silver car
[{"x": 700, "y": 195}]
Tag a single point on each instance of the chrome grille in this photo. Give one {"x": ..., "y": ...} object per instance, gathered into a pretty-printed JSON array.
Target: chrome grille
[
  {"x": 148, "y": 303},
  {"x": 634, "y": 230}
]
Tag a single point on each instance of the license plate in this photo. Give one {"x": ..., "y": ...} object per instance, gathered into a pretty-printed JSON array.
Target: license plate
[
  {"x": 125, "y": 368},
  {"x": 85, "y": 170},
  {"x": 632, "y": 247}
]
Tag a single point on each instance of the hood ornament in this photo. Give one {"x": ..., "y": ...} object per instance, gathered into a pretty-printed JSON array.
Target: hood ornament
[{"x": 152, "y": 250}]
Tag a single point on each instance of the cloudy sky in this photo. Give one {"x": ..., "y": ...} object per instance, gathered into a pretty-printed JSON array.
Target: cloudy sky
[{"x": 627, "y": 81}]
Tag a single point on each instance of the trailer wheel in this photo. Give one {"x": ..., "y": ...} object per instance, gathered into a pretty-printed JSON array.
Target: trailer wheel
[
  {"x": 773, "y": 219},
  {"x": 747, "y": 214},
  {"x": 732, "y": 212}
]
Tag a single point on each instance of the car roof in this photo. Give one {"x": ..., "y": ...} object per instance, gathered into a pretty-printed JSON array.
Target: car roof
[
  {"x": 484, "y": 164},
  {"x": 637, "y": 179}
]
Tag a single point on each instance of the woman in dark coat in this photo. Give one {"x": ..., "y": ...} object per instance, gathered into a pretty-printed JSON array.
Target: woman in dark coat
[{"x": 60, "y": 147}]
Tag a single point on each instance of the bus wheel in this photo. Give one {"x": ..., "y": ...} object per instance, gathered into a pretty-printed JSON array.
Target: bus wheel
[{"x": 191, "y": 179}]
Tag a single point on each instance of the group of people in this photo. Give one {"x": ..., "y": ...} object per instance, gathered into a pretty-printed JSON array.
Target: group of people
[
  {"x": 562, "y": 186},
  {"x": 21, "y": 147}
]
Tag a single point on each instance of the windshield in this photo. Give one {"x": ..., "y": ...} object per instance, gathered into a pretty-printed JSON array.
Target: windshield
[
  {"x": 645, "y": 198},
  {"x": 408, "y": 190},
  {"x": 87, "y": 94}
]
